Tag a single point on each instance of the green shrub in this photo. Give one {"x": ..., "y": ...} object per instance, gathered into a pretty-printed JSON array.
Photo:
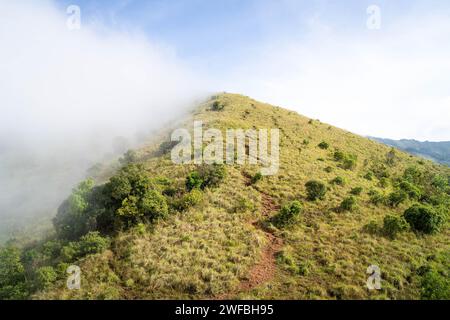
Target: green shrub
[
  {"x": 413, "y": 175},
  {"x": 217, "y": 106},
  {"x": 323, "y": 145},
  {"x": 380, "y": 171},
  {"x": 170, "y": 191},
  {"x": 356, "y": 191},
  {"x": 348, "y": 204},
  {"x": 193, "y": 180},
  {"x": 154, "y": 205},
  {"x": 129, "y": 209},
  {"x": 349, "y": 163},
  {"x": 12, "y": 275},
  {"x": 92, "y": 243},
  {"x": 212, "y": 175},
  {"x": 70, "y": 252},
  {"x": 288, "y": 214},
  {"x": 129, "y": 157},
  {"x": 391, "y": 157},
  {"x": 128, "y": 198},
  {"x": 70, "y": 221},
  {"x": 315, "y": 190},
  {"x": 166, "y": 147},
  {"x": 258, "y": 176},
  {"x": 435, "y": 286},
  {"x": 44, "y": 277},
  {"x": 396, "y": 198},
  {"x": 338, "y": 155},
  {"x": 424, "y": 218},
  {"x": 328, "y": 169},
  {"x": 412, "y": 190},
  {"x": 440, "y": 182},
  {"x": 189, "y": 200},
  {"x": 372, "y": 227},
  {"x": 392, "y": 225},
  {"x": 376, "y": 197},
  {"x": 369, "y": 176},
  {"x": 338, "y": 181}
]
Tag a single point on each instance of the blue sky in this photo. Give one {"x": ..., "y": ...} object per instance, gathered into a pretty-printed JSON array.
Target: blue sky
[
  {"x": 315, "y": 57},
  {"x": 220, "y": 31}
]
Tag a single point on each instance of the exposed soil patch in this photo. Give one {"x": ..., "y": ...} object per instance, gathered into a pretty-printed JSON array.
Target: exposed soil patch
[{"x": 265, "y": 268}]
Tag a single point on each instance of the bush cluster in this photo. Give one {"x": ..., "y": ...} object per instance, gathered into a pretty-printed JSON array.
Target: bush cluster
[
  {"x": 288, "y": 214},
  {"x": 348, "y": 204},
  {"x": 315, "y": 190},
  {"x": 392, "y": 225},
  {"x": 206, "y": 176},
  {"x": 323, "y": 145},
  {"x": 424, "y": 218}
]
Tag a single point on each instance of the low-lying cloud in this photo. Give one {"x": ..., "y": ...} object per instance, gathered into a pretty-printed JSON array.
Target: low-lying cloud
[{"x": 66, "y": 96}]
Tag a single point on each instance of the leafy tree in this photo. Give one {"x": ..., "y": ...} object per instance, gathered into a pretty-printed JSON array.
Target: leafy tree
[
  {"x": 424, "y": 218},
  {"x": 12, "y": 275},
  {"x": 193, "y": 181},
  {"x": 380, "y": 171},
  {"x": 190, "y": 199},
  {"x": 440, "y": 182},
  {"x": 349, "y": 162},
  {"x": 207, "y": 175},
  {"x": 128, "y": 198},
  {"x": 217, "y": 106},
  {"x": 258, "y": 176},
  {"x": 92, "y": 243},
  {"x": 348, "y": 204},
  {"x": 369, "y": 176},
  {"x": 338, "y": 181},
  {"x": 154, "y": 205},
  {"x": 412, "y": 190},
  {"x": 70, "y": 220},
  {"x": 392, "y": 225},
  {"x": 323, "y": 145},
  {"x": 376, "y": 197},
  {"x": 288, "y": 214},
  {"x": 315, "y": 190},
  {"x": 435, "y": 286},
  {"x": 391, "y": 157},
  {"x": 129, "y": 157},
  {"x": 356, "y": 191},
  {"x": 212, "y": 175},
  {"x": 45, "y": 277},
  {"x": 338, "y": 155},
  {"x": 413, "y": 175},
  {"x": 397, "y": 197}
]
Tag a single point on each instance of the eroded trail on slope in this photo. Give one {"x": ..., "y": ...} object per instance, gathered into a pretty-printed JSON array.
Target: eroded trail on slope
[{"x": 265, "y": 268}]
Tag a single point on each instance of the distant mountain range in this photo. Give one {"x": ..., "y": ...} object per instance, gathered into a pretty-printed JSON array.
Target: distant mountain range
[{"x": 436, "y": 151}]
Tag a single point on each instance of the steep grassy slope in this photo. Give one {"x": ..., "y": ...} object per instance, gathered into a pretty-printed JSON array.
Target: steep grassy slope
[{"x": 226, "y": 247}]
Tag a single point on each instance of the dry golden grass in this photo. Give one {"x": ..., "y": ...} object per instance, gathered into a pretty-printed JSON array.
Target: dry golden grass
[{"x": 208, "y": 250}]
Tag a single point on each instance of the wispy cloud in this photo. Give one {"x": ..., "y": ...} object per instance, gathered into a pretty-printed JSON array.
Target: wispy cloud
[
  {"x": 390, "y": 82},
  {"x": 65, "y": 97}
]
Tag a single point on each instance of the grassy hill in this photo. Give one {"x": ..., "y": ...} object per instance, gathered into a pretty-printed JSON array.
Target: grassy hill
[{"x": 247, "y": 236}]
